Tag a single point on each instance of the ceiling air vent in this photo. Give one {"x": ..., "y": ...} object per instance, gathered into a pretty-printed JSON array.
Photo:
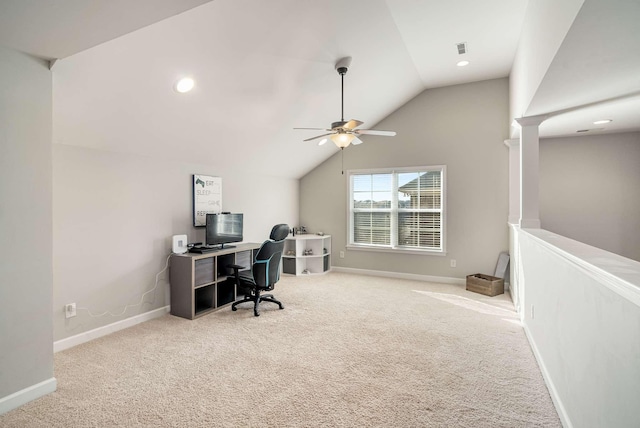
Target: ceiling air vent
[{"x": 462, "y": 48}]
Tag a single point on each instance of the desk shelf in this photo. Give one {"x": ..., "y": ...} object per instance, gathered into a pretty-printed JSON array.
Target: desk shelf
[
  {"x": 200, "y": 283},
  {"x": 294, "y": 260}
]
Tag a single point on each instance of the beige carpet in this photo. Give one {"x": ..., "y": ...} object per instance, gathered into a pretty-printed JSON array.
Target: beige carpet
[{"x": 347, "y": 351}]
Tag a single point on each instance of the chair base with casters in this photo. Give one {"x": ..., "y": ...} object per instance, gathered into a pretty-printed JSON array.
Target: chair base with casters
[
  {"x": 264, "y": 273},
  {"x": 256, "y": 298}
]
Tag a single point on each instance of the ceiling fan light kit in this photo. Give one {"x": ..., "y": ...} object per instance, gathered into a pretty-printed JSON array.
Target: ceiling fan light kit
[
  {"x": 342, "y": 132},
  {"x": 342, "y": 140}
]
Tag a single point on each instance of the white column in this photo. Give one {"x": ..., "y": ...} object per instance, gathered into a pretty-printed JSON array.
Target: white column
[
  {"x": 514, "y": 180},
  {"x": 529, "y": 171}
]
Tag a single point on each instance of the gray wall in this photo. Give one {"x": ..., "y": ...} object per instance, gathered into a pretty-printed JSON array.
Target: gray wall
[
  {"x": 114, "y": 215},
  {"x": 26, "y": 351},
  {"x": 462, "y": 127},
  {"x": 589, "y": 190}
]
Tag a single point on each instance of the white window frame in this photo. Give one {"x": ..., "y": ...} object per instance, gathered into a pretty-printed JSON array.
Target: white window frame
[{"x": 394, "y": 248}]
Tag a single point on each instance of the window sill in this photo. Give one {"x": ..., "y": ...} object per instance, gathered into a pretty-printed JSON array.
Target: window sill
[{"x": 416, "y": 252}]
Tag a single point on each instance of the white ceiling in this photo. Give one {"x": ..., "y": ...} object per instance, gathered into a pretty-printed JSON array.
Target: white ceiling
[
  {"x": 263, "y": 68},
  {"x": 59, "y": 28},
  {"x": 595, "y": 73}
]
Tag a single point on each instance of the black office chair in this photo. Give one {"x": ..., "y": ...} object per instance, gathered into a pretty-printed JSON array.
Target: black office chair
[{"x": 265, "y": 271}]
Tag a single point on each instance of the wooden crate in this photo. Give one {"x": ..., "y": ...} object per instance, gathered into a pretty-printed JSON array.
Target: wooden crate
[{"x": 485, "y": 284}]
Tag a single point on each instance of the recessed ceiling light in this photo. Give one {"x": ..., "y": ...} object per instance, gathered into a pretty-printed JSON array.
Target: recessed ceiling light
[
  {"x": 601, "y": 122},
  {"x": 462, "y": 63},
  {"x": 324, "y": 140},
  {"x": 589, "y": 130},
  {"x": 185, "y": 85}
]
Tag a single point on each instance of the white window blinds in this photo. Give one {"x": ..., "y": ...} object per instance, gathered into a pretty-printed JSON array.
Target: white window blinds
[
  {"x": 397, "y": 209},
  {"x": 372, "y": 208}
]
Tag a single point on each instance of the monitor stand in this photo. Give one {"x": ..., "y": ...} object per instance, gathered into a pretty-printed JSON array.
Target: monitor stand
[{"x": 222, "y": 246}]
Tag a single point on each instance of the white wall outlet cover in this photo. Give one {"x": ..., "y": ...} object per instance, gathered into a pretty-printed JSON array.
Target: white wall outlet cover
[{"x": 179, "y": 244}]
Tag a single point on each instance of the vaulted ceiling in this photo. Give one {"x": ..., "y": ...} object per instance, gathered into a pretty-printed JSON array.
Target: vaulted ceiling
[{"x": 264, "y": 67}]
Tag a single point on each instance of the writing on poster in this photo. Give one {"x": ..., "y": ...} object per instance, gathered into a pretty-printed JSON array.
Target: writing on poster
[{"x": 207, "y": 197}]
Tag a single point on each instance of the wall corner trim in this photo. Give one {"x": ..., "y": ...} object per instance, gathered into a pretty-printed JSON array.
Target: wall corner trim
[
  {"x": 412, "y": 276},
  {"x": 87, "y": 336},
  {"x": 555, "y": 398},
  {"x": 28, "y": 394}
]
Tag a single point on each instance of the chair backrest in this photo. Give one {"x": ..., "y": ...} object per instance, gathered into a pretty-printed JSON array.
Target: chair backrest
[{"x": 266, "y": 266}]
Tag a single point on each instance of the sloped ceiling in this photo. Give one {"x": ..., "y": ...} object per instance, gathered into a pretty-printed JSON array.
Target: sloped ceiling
[
  {"x": 60, "y": 28},
  {"x": 263, "y": 68},
  {"x": 595, "y": 74}
]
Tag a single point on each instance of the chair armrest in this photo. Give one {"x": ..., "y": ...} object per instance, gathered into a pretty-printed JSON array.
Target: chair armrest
[
  {"x": 236, "y": 275},
  {"x": 236, "y": 268}
]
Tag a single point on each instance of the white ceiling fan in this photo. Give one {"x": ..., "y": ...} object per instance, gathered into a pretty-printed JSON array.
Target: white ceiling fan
[{"x": 343, "y": 133}]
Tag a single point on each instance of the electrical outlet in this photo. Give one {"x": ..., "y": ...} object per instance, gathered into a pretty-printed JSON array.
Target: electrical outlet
[
  {"x": 70, "y": 310},
  {"x": 342, "y": 254},
  {"x": 453, "y": 263}
]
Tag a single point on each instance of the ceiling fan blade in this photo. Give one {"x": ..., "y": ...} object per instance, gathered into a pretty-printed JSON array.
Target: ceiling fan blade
[
  {"x": 318, "y": 136},
  {"x": 315, "y": 129},
  {"x": 352, "y": 124},
  {"x": 356, "y": 141},
  {"x": 375, "y": 132}
]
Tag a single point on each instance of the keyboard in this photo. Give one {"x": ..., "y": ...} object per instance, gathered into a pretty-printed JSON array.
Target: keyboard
[{"x": 203, "y": 250}]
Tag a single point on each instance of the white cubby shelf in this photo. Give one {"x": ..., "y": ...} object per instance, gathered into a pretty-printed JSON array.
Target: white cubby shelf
[{"x": 307, "y": 254}]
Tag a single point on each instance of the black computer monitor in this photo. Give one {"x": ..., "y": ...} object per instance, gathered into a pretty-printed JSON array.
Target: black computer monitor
[{"x": 223, "y": 229}]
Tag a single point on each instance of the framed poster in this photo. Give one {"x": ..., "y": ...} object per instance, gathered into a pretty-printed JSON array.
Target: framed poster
[{"x": 207, "y": 198}]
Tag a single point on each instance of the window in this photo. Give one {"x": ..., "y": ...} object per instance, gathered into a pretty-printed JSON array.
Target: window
[{"x": 397, "y": 209}]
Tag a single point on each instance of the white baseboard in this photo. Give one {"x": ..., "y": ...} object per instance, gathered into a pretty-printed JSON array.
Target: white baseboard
[
  {"x": 87, "y": 336},
  {"x": 557, "y": 402},
  {"x": 412, "y": 276},
  {"x": 30, "y": 393}
]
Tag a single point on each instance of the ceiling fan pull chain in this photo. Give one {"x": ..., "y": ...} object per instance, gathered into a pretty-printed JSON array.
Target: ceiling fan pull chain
[{"x": 342, "y": 151}]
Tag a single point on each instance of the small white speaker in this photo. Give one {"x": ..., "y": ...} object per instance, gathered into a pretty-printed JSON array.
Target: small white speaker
[{"x": 179, "y": 244}]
